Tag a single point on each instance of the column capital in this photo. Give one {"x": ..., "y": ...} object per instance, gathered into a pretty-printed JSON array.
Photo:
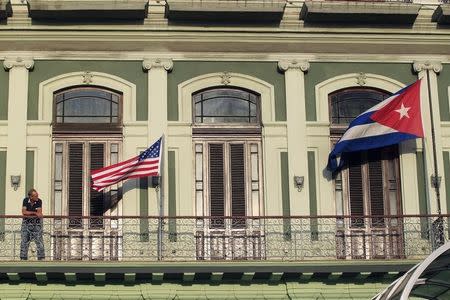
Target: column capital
[
  {"x": 13, "y": 62},
  {"x": 301, "y": 65},
  {"x": 434, "y": 66},
  {"x": 154, "y": 63}
]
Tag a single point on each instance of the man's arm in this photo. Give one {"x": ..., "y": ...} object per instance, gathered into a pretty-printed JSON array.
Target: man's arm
[
  {"x": 27, "y": 213},
  {"x": 39, "y": 212}
]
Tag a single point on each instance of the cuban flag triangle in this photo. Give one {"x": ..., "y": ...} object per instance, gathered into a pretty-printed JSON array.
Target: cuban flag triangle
[{"x": 396, "y": 119}]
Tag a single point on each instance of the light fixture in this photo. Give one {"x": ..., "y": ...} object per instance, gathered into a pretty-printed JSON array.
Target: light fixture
[
  {"x": 436, "y": 181},
  {"x": 299, "y": 181},
  {"x": 15, "y": 181}
]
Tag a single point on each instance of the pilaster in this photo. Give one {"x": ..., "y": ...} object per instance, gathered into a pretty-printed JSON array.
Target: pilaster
[
  {"x": 17, "y": 129},
  {"x": 20, "y": 14},
  {"x": 157, "y": 113},
  {"x": 431, "y": 69},
  {"x": 296, "y": 132}
]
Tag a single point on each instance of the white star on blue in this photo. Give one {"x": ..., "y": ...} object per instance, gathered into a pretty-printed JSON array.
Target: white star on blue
[{"x": 152, "y": 152}]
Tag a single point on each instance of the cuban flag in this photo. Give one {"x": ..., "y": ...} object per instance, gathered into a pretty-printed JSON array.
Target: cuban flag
[{"x": 396, "y": 119}]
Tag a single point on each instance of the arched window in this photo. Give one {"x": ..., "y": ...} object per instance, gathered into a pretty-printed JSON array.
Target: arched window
[
  {"x": 226, "y": 105},
  {"x": 368, "y": 185},
  {"x": 87, "y": 109},
  {"x": 228, "y": 171}
]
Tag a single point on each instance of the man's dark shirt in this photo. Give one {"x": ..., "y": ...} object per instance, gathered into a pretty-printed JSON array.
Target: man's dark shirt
[{"x": 32, "y": 207}]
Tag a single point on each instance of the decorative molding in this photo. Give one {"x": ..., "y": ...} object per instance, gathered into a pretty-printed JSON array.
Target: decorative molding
[
  {"x": 434, "y": 66},
  {"x": 285, "y": 65},
  {"x": 10, "y": 63},
  {"x": 263, "y": 88},
  {"x": 324, "y": 88},
  {"x": 226, "y": 78},
  {"x": 87, "y": 77},
  {"x": 48, "y": 87},
  {"x": 154, "y": 63},
  {"x": 361, "y": 79}
]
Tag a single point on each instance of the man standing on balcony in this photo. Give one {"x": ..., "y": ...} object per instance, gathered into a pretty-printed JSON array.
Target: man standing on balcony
[{"x": 32, "y": 225}]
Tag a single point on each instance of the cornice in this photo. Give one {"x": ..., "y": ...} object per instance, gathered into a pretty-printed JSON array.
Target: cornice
[
  {"x": 434, "y": 66},
  {"x": 285, "y": 65},
  {"x": 155, "y": 63},
  {"x": 18, "y": 62}
]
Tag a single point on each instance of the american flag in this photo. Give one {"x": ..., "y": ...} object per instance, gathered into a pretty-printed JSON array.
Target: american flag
[{"x": 145, "y": 164}]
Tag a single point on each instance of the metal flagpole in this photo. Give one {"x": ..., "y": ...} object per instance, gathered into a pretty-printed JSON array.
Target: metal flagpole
[
  {"x": 160, "y": 192},
  {"x": 435, "y": 181},
  {"x": 438, "y": 225}
]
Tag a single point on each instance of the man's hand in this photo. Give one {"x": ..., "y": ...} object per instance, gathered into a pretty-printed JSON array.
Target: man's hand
[{"x": 39, "y": 212}]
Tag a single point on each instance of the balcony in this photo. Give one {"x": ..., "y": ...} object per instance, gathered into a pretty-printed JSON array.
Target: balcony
[
  {"x": 230, "y": 11},
  {"x": 228, "y": 239},
  {"x": 400, "y": 12}
]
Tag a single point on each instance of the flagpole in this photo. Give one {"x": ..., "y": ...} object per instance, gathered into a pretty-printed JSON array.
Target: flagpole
[
  {"x": 433, "y": 138},
  {"x": 160, "y": 190}
]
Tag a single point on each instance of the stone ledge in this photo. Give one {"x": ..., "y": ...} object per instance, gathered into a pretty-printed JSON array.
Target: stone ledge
[
  {"x": 88, "y": 9},
  {"x": 218, "y": 10},
  {"x": 359, "y": 12}
]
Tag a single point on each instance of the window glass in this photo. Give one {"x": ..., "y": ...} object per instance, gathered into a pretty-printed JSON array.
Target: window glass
[
  {"x": 348, "y": 104},
  {"x": 226, "y": 105},
  {"x": 87, "y": 105}
]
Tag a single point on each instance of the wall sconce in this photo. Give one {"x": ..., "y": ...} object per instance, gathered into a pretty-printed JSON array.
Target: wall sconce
[
  {"x": 436, "y": 182},
  {"x": 299, "y": 181},
  {"x": 15, "y": 181}
]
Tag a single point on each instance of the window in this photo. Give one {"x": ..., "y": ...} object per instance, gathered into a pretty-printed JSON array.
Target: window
[
  {"x": 228, "y": 173},
  {"x": 226, "y": 105},
  {"x": 87, "y": 109},
  {"x": 369, "y": 185},
  {"x": 87, "y": 127}
]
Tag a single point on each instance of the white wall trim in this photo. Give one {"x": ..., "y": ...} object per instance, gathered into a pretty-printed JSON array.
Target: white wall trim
[
  {"x": 324, "y": 88},
  {"x": 48, "y": 87},
  {"x": 187, "y": 88}
]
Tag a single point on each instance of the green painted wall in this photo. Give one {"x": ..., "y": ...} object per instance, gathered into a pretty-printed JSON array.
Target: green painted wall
[
  {"x": 4, "y": 86},
  {"x": 172, "y": 195},
  {"x": 29, "y": 177},
  {"x": 421, "y": 185},
  {"x": 129, "y": 70},
  {"x": 319, "y": 72},
  {"x": 286, "y": 202},
  {"x": 312, "y": 194},
  {"x": 443, "y": 84},
  {"x": 2, "y": 192},
  {"x": 267, "y": 71}
]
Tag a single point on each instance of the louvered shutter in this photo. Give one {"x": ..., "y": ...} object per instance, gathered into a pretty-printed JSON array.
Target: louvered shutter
[
  {"x": 75, "y": 183},
  {"x": 96, "y": 203},
  {"x": 376, "y": 189},
  {"x": 356, "y": 191},
  {"x": 217, "y": 188},
  {"x": 237, "y": 183}
]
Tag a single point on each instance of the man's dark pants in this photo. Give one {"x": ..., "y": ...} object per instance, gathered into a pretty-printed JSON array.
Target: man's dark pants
[{"x": 31, "y": 231}]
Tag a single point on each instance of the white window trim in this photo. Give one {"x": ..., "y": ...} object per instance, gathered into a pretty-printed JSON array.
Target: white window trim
[
  {"x": 187, "y": 88},
  {"x": 48, "y": 87},
  {"x": 324, "y": 88}
]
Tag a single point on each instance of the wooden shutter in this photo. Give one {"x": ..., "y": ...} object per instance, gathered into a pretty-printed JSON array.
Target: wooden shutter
[
  {"x": 356, "y": 191},
  {"x": 96, "y": 204},
  {"x": 75, "y": 183},
  {"x": 216, "y": 181},
  {"x": 237, "y": 173},
  {"x": 376, "y": 189}
]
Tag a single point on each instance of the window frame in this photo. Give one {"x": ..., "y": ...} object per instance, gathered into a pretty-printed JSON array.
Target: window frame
[
  {"x": 231, "y": 127},
  {"x": 97, "y": 128}
]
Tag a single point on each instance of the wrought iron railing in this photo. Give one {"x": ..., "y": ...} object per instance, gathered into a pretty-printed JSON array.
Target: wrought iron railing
[{"x": 212, "y": 238}]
